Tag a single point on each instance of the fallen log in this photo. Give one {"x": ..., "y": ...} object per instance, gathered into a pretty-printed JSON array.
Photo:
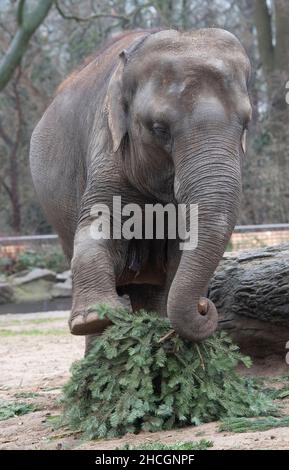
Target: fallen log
[{"x": 251, "y": 292}]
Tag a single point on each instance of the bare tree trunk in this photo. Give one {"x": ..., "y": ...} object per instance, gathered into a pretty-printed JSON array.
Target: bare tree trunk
[
  {"x": 275, "y": 58},
  {"x": 12, "y": 189},
  {"x": 250, "y": 291},
  {"x": 275, "y": 63},
  {"x": 282, "y": 35},
  {"x": 264, "y": 32}
]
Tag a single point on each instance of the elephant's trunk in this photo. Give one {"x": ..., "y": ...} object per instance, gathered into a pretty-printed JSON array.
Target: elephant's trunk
[{"x": 207, "y": 173}]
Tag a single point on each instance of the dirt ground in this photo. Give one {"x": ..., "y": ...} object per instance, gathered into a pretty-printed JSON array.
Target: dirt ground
[{"x": 36, "y": 351}]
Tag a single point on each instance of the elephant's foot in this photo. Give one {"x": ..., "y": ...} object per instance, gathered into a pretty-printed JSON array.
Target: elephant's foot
[{"x": 86, "y": 323}]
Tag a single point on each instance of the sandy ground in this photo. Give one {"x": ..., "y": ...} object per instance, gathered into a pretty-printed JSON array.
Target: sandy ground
[{"x": 36, "y": 352}]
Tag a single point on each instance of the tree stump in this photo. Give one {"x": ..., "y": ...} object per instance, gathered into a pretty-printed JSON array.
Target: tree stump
[{"x": 251, "y": 292}]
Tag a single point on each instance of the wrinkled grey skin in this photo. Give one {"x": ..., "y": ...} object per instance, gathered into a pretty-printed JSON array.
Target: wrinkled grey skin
[{"x": 156, "y": 117}]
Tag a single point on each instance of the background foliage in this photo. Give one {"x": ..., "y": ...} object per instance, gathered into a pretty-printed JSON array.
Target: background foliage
[{"x": 51, "y": 258}]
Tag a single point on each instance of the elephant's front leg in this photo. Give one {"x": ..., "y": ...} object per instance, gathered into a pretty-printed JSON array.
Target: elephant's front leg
[{"x": 94, "y": 268}]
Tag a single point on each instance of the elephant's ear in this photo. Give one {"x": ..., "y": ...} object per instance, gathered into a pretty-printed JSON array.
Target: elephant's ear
[
  {"x": 115, "y": 106},
  {"x": 117, "y": 120}
]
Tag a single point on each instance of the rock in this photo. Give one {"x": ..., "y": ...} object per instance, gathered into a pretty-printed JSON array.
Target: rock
[
  {"x": 62, "y": 289},
  {"x": 62, "y": 277},
  {"x": 34, "y": 275},
  {"x": 6, "y": 293},
  {"x": 33, "y": 291}
]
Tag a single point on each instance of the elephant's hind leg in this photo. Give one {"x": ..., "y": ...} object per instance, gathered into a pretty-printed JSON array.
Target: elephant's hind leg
[
  {"x": 148, "y": 297},
  {"x": 89, "y": 341}
]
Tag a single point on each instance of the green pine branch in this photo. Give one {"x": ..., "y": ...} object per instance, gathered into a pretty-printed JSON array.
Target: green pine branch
[{"x": 132, "y": 381}]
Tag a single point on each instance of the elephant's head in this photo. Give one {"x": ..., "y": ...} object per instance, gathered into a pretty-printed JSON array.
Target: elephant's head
[{"x": 179, "y": 115}]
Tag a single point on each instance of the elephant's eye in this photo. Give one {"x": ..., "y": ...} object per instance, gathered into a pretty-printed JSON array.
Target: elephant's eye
[{"x": 161, "y": 131}]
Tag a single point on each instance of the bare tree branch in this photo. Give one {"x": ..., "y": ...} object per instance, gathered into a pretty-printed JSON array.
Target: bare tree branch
[
  {"x": 6, "y": 187},
  {"x": 12, "y": 188},
  {"x": 20, "y": 12},
  {"x": 4, "y": 27},
  {"x": 5, "y": 137},
  {"x": 127, "y": 18},
  {"x": 28, "y": 24},
  {"x": 87, "y": 18}
]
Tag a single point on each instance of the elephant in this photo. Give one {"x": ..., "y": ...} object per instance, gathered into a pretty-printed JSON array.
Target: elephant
[{"x": 154, "y": 117}]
